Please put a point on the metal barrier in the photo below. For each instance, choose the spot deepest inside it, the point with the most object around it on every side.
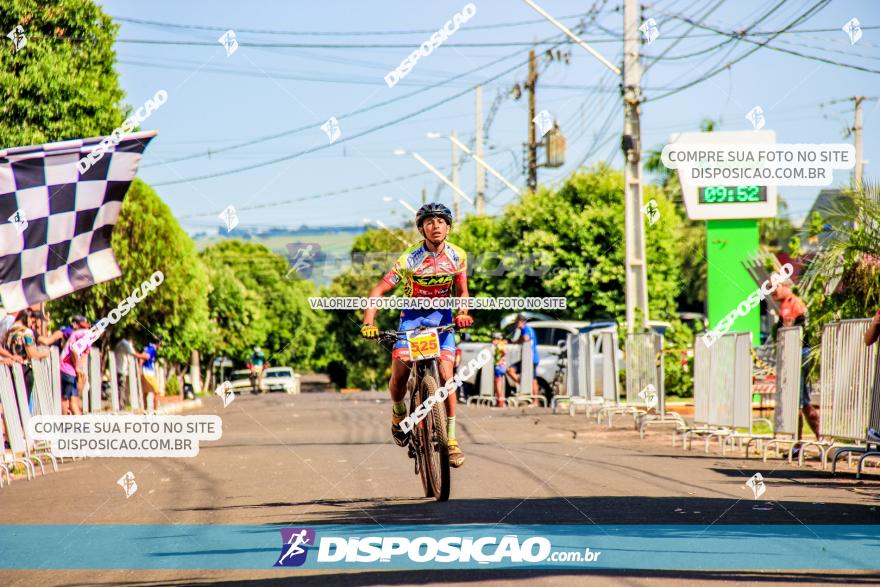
(114, 382)
(527, 375)
(14, 431)
(644, 369)
(588, 374)
(847, 379)
(35, 451)
(873, 418)
(55, 380)
(133, 383)
(575, 373)
(44, 403)
(722, 387)
(95, 380)
(610, 346)
(487, 378)
(786, 412)
(849, 372)
(486, 395)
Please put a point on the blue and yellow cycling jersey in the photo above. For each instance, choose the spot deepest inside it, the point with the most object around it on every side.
(427, 274)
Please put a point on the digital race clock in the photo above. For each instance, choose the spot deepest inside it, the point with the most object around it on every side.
(732, 195)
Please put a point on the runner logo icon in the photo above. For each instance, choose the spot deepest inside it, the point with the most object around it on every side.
(293, 553)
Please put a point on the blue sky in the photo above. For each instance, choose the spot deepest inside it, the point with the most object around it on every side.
(215, 101)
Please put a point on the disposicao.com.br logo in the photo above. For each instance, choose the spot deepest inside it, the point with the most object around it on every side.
(403, 551)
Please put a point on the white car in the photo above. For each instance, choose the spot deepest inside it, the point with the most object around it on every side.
(280, 379)
(240, 380)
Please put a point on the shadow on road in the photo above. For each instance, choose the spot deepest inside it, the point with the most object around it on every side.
(555, 577)
(568, 510)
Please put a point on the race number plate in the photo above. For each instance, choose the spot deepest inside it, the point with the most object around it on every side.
(424, 344)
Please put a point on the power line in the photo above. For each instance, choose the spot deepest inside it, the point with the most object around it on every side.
(342, 140)
(614, 39)
(333, 33)
(815, 8)
(346, 115)
(318, 196)
(676, 41)
(350, 137)
(766, 44)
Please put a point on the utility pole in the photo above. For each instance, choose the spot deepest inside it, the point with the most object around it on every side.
(533, 141)
(481, 173)
(455, 175)
(857, 136)
(636, 278)
(424, 197)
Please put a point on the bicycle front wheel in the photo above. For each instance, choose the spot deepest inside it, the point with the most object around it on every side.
(436, 449)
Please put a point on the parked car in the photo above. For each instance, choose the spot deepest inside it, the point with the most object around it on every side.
(280, 379)
(240, 380)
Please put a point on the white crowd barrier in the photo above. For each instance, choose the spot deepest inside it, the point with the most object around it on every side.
(16, 415)
(848, 390)
(789, 379)
(486, 376)
(722, 388)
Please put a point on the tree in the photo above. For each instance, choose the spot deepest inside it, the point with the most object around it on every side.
(252, 303)
(357, 361)
(575, 237)
(62, 84)
(842, 279)
(776, 232)
(147, 239)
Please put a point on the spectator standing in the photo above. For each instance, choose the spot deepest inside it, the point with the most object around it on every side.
(500, 347)
(73, 366)
(149, 368)
(21, 342)
(527, 335)
(793, 312)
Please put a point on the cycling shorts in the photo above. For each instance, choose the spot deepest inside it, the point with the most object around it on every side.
(412, 319)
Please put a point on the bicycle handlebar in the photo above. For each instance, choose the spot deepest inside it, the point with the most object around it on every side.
(398, 334)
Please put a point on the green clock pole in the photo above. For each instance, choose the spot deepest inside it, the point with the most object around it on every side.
(728, 243)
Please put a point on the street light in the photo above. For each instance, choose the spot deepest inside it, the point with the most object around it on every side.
(477, 158)
(439, 175)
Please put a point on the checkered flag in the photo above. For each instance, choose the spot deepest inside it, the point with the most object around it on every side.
(65, 245)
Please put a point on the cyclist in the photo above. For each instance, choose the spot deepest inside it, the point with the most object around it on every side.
(258, 358)
(430, 269)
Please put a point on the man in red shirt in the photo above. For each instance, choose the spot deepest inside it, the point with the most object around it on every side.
(793, 312)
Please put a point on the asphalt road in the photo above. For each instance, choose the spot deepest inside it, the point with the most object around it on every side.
(327, 458)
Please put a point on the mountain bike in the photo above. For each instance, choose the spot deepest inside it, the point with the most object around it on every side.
(428, 444)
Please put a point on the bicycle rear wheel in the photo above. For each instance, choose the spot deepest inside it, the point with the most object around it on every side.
(436, 449)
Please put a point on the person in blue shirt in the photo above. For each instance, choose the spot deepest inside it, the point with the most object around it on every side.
(527, 335)
(150, 382)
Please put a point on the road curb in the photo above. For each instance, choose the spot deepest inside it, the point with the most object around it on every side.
(178, 407)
